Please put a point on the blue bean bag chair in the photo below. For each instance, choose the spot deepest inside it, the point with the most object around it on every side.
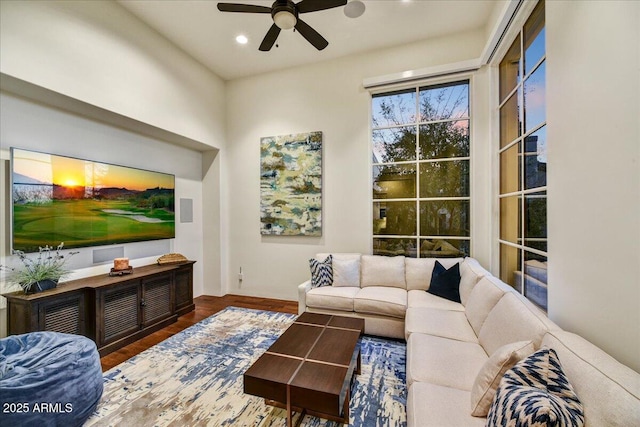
(48, 379)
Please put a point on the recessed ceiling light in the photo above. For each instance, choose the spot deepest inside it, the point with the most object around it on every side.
(242, 39)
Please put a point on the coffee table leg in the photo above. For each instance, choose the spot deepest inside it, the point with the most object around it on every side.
(289, 417)
(345, 409)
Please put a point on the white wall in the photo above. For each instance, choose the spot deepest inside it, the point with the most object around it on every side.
(99, 54)
(593, 93)
(31, 126)
(327, 97)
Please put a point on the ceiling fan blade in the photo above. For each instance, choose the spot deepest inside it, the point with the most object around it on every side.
(246, 8)
(270, 38)
(314, 5)
(311, 35)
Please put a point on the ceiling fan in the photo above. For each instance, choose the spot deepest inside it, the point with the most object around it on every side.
(285, 17)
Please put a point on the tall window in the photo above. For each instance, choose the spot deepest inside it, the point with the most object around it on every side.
(420, 171)
(523, 162)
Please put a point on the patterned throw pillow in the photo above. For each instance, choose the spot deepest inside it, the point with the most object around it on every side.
(321, 272)
(536, 393)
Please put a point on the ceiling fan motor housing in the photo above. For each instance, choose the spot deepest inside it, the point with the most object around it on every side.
(284, 14)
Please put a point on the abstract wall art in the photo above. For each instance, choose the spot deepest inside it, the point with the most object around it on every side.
(291, 185)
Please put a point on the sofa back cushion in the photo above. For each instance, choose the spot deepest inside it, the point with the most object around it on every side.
(511, 320)
(418, 271)
(484, 296)
(470, 273)
(383, 271)
(346, 268)
(609, 391)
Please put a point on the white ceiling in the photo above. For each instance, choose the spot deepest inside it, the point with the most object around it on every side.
(208, 35)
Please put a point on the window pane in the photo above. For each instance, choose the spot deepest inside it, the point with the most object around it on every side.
(534, 43)
(394, 145)
(395, 108)
(535, 221)
(510, 69)
(509, 121)
(509, 264)
(450, 101)
(535, 108)
(444, 179)
(439, 248)
(510, 169)
(394, 181)
(510, 219)
(535, 165)
(394, 247)
(444, 218)
(394, 218)
(535, 278)
(444, 139)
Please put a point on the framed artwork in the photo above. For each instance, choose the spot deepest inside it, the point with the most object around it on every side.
(291, 185)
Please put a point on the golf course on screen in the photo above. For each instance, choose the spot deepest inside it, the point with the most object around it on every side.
(58, 201)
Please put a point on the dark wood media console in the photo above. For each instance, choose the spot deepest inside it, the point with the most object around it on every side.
(112, 311)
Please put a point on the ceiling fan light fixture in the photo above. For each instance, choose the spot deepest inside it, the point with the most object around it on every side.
(354, 9)
(285, 20)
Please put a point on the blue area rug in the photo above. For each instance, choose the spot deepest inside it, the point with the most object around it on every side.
(195, 379)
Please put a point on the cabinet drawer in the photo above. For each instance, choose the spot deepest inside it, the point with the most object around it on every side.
(156, 299)
(120, 312)
(64, 315)
(184, 288)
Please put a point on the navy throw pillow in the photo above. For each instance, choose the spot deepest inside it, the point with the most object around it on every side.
(445, 283)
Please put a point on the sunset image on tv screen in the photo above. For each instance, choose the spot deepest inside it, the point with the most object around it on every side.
(85, 203)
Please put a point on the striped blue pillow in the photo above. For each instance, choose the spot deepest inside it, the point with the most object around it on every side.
(536, 393)
(321, 272)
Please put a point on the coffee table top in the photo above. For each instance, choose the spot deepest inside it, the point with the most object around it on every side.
(315, 354)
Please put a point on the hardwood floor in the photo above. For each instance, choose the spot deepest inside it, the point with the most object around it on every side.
(205, 307)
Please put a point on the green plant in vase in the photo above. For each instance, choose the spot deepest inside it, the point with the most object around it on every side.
(41, 272)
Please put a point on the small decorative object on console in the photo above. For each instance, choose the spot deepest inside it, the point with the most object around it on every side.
(172, 259)
(121, 267)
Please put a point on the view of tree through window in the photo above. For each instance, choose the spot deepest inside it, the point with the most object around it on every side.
(421, 200)
(523, 162)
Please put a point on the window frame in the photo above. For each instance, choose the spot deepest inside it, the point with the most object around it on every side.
(522, 193)
(415, 87)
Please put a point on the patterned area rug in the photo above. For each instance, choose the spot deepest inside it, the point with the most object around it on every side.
(195, 379)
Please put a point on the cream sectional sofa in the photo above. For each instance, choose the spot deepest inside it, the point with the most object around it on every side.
(448, 343)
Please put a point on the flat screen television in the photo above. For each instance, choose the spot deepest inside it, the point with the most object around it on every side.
(85, 203)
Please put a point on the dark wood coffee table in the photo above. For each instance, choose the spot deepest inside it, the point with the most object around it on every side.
(310, 368)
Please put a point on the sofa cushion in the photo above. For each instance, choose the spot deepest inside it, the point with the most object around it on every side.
(470, 273)
(444, 361)
(509, 321)
(441, 323)
(330, 297)
(346, 268)
(436, 405)
(445, 282)
(419, 298)
(418, 271)
(385, 271)
(536, 392)
(486, 383)
(608, 390)
(484, 296)
(346, 272)
(321, 272)
(381, 300)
